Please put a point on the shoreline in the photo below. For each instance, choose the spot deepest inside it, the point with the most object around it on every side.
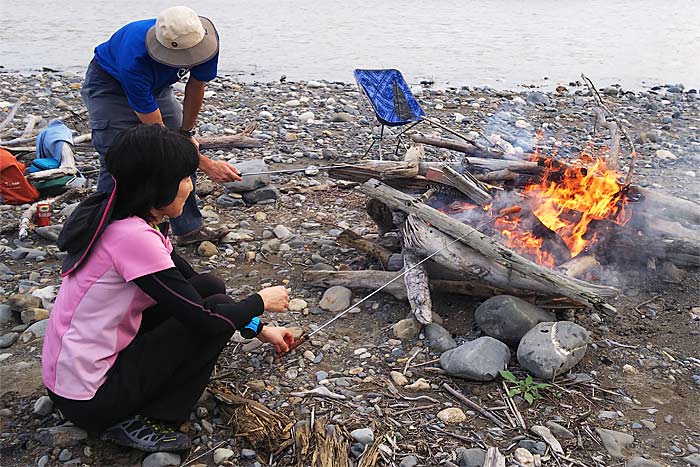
(542, 84)
(639, 376)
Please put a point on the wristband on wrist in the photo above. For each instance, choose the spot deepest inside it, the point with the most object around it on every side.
(251, 329)
(189, 133)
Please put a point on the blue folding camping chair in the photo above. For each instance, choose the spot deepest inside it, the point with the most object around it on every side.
(392, 101)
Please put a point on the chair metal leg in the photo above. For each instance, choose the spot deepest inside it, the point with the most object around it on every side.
(369, 148)
(381, 137)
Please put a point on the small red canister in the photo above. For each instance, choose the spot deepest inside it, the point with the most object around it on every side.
(43, 214)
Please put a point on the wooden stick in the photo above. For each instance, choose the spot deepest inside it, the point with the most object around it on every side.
(612, 127)
(240, 141)
(468, 185)
(488, 247)
(578, 266)
(32, 120)
(474, 406)
(494, 458)
(465, 147)
(370, 279)
(350, 238)
(596, 95)
(13, 111)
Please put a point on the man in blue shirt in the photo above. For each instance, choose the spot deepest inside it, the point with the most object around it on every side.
(129, 82)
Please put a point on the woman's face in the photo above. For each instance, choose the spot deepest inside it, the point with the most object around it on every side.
(174, 209)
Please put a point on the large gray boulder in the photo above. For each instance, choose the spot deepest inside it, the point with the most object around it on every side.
(249, 182)
(550, 349)
(509, 318)
(478, 360)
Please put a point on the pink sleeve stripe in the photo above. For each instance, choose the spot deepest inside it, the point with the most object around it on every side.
(197, 305)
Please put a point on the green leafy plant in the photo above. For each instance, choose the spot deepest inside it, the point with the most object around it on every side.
(527, 388)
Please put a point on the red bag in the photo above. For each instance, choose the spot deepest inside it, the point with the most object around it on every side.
(14, 188)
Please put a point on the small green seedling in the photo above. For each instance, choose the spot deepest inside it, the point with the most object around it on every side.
(527, 388)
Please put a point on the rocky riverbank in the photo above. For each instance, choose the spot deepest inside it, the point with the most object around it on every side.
(376, 374)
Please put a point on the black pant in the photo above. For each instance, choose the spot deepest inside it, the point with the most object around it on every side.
(161, 374)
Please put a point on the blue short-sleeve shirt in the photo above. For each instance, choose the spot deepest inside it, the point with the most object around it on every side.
(124, 56)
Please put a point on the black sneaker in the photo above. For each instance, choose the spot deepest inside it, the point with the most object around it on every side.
(146, 435)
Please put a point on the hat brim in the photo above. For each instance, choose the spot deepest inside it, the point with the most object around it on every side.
(200, 53)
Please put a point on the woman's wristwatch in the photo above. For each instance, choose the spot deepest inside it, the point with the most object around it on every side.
(189, 133)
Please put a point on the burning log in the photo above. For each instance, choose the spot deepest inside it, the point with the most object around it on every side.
(472, 263)
(492, 251)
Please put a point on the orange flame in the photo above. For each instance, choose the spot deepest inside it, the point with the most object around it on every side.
(523, 241)
(568, 200)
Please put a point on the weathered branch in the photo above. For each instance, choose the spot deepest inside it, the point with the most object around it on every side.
(485, 245)
(350, 238)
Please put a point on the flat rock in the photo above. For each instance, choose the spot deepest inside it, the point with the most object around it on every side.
(419, 385)
(19, 302)
(259, 195)
(33, 315)
(22, 378)
(409, 461)
(452, 415)
(615, 442)
(559, 431)
(336, 299)
(250, 182)
(524, 457)
(478, 360)
(398, 378)
(642, 462)
(43, 406)
(509, 318)
(61, 436)
(6, 340)
(161, 459)
(297, 304)
(693, 459)
(471, 457)
(406, 328)
(439, 338)
(6, 315)
(363, 435)
(37, 329)
(551, 349)
(207, 249)
(281, 232)
(221, 455)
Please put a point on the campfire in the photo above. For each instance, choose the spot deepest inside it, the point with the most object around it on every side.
(567, 202)
(531, 228)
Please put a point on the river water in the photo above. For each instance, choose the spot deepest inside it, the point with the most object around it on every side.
(499, 43)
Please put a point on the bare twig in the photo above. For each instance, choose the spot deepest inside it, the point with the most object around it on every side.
(13, 111)
(599, 100)
(474, 406)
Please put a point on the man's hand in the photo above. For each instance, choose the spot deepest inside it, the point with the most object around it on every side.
(219, 171)
(195, 142)
(275, 299)
(280, 338)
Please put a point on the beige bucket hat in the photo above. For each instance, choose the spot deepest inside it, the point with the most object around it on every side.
(180, 38)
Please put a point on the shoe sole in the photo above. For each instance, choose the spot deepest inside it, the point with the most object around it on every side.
(140, 447)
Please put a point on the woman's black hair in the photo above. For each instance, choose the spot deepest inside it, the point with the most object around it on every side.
(148, 163)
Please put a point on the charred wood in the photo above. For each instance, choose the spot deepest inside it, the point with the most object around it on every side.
(492, 251)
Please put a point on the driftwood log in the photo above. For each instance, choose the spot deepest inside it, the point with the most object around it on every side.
(465, 147)
(372, 280)
(471, 262)
(489, 248)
